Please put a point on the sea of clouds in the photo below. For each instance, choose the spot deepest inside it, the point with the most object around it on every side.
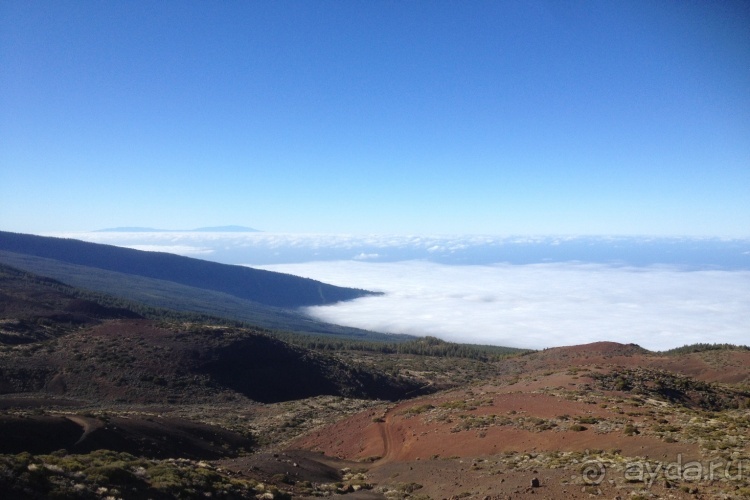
(540, 305)
(262, 248)
(536, 292)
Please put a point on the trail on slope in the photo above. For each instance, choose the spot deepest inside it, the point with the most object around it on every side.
(389, 441)
(88, 425)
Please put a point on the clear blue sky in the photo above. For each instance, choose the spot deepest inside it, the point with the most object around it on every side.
(619, 117)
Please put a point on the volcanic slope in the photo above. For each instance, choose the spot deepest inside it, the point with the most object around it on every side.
(603, 419)
(34, 308)
(94, 397)
(168, 408)
(56, 346)
(262, 298)
(264, 287)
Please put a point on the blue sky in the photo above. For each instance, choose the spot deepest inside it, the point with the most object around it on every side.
(400, 117)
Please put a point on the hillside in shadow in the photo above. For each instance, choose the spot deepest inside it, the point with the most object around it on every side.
(264, 287)
(52, 341)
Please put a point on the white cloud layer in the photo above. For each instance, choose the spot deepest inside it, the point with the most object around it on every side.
(540, 305)
(549, 291)
(185, 250)
(280, 248)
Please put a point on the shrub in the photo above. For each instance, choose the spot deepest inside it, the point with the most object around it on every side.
(587, 420)
(630, 430)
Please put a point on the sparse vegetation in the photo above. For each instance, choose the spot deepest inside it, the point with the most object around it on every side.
(672, 387)
(112, 474)
(704, 347)
(180, 399)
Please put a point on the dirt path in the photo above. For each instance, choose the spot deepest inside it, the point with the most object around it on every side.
(389, 441)
(89, 425)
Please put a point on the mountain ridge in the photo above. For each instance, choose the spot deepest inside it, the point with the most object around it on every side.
(264, 287)
(149, 360)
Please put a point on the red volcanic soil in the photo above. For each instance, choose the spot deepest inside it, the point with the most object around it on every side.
(404, 436)
(728, 367)
(725, 366)
(405, 447)
(601, 348)
(547, 422)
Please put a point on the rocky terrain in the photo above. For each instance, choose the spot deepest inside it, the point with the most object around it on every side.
(99, 401)
(599, 427)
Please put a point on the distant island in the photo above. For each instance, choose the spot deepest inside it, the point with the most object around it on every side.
(217, 229)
